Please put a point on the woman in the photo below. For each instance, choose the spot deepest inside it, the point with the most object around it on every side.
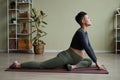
(73, 57)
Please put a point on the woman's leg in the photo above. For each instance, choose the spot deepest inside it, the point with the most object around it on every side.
(55, 62)
(84, 63)
(63, 58)
(59, 61)
(51, 63)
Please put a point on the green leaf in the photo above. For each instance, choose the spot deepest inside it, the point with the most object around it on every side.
(39, 30)
(35, 38)
(32, 32)
(34, 11)
(44, 22)
(42, 26)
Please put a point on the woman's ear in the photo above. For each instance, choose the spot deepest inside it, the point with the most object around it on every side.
(83, 21)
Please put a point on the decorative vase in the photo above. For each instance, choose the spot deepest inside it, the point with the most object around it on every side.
(24, 28)
(39, 49)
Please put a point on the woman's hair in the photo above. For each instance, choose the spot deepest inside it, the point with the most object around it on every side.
(79, 17)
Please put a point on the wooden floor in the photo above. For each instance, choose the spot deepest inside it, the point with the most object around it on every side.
(110, 60)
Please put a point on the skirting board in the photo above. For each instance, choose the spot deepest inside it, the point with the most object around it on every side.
(57, 51)
(3, 51)
(96, 51)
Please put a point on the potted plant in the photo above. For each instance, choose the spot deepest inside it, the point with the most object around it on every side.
(38, 23)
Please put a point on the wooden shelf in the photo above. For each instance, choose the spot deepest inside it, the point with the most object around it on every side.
(18, 20)
(117, 31)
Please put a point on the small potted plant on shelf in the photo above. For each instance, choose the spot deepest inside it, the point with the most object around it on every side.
(38, 23)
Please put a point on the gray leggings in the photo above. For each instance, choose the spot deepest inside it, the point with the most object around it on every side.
(63, 58)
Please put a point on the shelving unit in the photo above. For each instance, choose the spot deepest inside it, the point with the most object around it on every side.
(19, 26)
(117, 31)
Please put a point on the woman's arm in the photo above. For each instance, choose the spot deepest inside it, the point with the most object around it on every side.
(88, 48)
(86, 45)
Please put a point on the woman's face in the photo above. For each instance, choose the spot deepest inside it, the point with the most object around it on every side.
(87, 21)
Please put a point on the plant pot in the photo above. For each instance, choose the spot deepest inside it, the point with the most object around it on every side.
(39, 49)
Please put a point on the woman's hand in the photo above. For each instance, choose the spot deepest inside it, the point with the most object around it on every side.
(100, 67)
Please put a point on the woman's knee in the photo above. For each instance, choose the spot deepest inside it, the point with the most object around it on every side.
(89, 61)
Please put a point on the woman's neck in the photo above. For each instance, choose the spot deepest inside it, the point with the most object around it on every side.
(84, 28)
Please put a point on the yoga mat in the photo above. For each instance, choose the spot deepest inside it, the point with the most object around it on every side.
(89, 70)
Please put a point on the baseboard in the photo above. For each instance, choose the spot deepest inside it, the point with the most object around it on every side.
(57, 51)
(96, 51)
(3, 51)
(54, 51)
(103, 51)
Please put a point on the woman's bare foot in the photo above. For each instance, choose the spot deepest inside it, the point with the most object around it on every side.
(15, 65)
(74, 66)
(70, 67)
